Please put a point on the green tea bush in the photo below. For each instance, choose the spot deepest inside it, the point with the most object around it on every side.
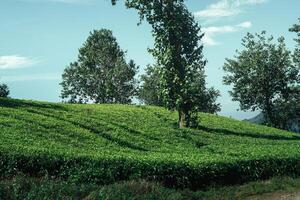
(108, 143)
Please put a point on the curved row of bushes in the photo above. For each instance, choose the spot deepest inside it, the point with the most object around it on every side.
(173, 174)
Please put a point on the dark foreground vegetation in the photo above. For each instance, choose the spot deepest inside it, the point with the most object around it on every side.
(23, 187)
(103, 144)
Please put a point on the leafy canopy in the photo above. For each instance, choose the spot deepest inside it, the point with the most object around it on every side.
(101, 73)
(151, 90)
(288, 109)
(261, 74)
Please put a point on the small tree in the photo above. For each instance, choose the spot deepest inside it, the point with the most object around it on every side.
(101, 74)
(4, 91)
(261, 74)
(151, 90)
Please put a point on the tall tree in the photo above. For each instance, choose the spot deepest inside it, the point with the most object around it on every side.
(101, 74)
(261, 74)
(150, 92)
(178, 50)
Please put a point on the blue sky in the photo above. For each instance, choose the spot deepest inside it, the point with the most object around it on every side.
(39, 38)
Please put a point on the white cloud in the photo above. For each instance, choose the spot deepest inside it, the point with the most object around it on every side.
(35, 77)
(246, 24)
(219, 29)
(15, 61)
(209, 41)
(73, 1)
(211, 31)
(252, 2)
(81, 2)
(226, 8)
(222, 8)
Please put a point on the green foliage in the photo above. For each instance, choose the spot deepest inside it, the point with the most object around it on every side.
(178, 50)
(4, 90)
(107, 143)
(261, 74)
(24, 187)
(296, 55)
(100, 74)
(151, 91)
(287, 111)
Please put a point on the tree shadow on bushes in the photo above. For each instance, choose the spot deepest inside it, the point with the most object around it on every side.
(247, 134)
(134, 132)
(15, 103)
(95, 130)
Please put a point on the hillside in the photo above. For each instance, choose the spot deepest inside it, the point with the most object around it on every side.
(293, 124)
(107, 143)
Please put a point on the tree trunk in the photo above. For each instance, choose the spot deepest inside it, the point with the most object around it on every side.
(182, 119)
(269, 114)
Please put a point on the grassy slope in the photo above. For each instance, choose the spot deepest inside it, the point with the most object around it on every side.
(106, 143)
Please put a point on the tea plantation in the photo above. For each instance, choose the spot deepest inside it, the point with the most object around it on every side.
(103, 144)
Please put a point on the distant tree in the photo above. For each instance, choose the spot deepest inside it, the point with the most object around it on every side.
(208, 101)
(261, 74)
(151, 90)
(4, 91)
(100, 74)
